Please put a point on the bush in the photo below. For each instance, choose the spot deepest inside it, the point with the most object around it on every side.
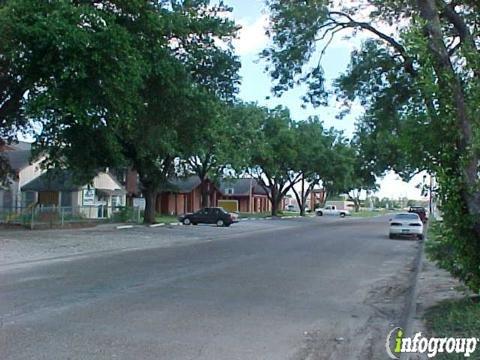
(124, 214)
(455, 250)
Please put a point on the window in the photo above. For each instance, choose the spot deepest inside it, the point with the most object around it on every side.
(229, 191)
(116, 201)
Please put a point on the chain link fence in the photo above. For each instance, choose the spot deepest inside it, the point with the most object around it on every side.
(39, 216)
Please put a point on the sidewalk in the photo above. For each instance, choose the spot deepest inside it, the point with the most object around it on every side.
(434, 285)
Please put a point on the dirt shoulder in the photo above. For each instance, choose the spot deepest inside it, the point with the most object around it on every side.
(434, 286)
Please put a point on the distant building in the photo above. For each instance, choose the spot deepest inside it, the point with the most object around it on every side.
(184, 195)
(251, 197)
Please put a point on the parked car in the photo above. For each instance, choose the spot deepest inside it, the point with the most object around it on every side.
(332, 210)
(214, 215)
(420, 210)
(406, 224)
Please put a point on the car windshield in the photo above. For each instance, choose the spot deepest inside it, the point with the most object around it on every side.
(406, 217)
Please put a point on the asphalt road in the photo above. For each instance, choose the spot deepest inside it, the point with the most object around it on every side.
(311, 289)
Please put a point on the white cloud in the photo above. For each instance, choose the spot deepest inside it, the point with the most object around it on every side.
(393, 187)
(251, 37)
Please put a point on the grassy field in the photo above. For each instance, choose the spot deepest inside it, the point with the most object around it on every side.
(166, 219)
(453, 318)
(459, 318)
(268, 214)
(368, 213)
(243, 215)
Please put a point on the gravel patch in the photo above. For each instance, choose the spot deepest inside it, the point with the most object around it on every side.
(19, 246)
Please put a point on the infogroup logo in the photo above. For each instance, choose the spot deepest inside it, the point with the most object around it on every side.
(397, 344)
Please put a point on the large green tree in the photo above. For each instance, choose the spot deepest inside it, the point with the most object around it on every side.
(273, 155)
(318, 158)
(64, 66)
(419, 82)
(195, 70)
(219, 143)
(105, 83)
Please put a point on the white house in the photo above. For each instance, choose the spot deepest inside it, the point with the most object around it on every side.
(96, 200)
(24, 170)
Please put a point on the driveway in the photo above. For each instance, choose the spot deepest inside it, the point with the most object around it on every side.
(284, 289)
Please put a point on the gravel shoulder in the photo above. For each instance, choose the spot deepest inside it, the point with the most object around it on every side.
(27, 246)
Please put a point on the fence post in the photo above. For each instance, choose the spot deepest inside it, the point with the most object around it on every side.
(138, 214)
(33, 217)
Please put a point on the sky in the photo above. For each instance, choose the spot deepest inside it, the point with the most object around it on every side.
(256, 84)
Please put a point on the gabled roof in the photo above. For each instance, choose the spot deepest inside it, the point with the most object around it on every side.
(17, 159)
(19, 145)
(241, 187)
(183, 184)
(63, 180)
(59, 180)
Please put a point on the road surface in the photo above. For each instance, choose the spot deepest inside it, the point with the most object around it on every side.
(308, 289)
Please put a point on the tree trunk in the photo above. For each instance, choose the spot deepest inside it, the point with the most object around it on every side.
(274, 200)
(205, 196)
(448, 79)
(356, 203)
(150, 196)
(302, 199)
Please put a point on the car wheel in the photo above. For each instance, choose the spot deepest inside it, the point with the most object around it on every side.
(186, 221)
(342, 214)
(420, 237)
(320, 213)
(220, 222)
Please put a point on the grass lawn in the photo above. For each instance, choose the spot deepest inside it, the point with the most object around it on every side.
(243, 215)
(288, 213)
(368, 213)
(166, 219)
(455, 318)
(269, 214)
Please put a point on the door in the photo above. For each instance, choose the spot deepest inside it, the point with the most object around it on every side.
(201, 216)
(215, 215)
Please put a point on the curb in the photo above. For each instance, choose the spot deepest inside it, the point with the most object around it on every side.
(411, 304)
(122, 227)
(156, 225)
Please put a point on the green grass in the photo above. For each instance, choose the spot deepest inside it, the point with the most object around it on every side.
(368, 213)
(166, 219)
(269, 214)
(288, 213)
(455, 318)
(243, 215)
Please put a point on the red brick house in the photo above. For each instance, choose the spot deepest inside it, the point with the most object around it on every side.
(317, 198)
(185, 196)
(250, 195)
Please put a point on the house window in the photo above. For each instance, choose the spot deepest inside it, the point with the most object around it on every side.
(229, 191)
(116, 201)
